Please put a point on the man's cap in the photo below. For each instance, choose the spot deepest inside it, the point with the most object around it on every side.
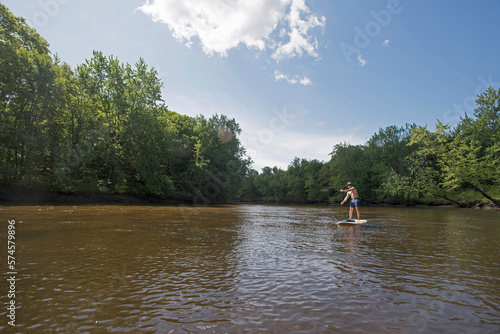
(348, 183)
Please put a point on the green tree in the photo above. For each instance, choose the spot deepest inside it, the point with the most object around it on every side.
(316, 184)
(349, 163)
(119, 117)
(103, 127)
(484, 129)
(468, 156)
(65, 132)
(26, 96)
(296, 181)
(388, 168)
(271, 184)
(248, 190)
(218, 162)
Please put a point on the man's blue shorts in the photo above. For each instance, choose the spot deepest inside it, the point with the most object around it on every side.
(355, 203)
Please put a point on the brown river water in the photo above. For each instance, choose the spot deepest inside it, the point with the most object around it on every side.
(250, 269)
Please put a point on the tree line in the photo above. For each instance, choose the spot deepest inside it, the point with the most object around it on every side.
(103, 128)
(400, 165)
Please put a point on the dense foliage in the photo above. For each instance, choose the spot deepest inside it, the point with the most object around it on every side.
(102, 128)
(400, 165)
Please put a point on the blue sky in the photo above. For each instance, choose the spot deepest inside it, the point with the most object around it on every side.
(299, 76)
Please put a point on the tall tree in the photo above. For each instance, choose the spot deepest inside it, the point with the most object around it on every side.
(468, 156)
(386, 153)
(121, 104)
(26, 83)
(349, 163)
(220, 161)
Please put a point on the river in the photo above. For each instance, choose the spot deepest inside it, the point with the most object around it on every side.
(250, 269)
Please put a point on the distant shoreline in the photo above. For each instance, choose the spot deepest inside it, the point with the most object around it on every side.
(32, 198)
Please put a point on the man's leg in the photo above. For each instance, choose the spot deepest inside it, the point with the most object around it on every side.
(357, 211)
(350, 212)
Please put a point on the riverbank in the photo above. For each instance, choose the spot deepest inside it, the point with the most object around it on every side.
(33, 198)
(482, 205)
(21, 198)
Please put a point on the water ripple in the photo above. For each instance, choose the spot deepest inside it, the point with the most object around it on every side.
(255, 269)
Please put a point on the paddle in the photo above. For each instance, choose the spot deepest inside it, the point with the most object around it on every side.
(343, 211)
(342, 205)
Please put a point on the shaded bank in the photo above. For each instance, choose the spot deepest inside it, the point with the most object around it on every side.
(46, 198)
(25, 198)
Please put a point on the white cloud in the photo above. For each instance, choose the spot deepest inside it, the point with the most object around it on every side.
(300, 42)
(386, 42)
(278, 76)
(221, 25)
(361, 61)
(305, 81)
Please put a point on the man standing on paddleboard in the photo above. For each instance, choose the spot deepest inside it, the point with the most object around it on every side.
(353, 193)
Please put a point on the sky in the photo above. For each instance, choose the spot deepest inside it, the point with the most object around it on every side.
(299, 76)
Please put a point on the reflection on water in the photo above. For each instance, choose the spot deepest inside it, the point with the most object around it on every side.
(253, 269)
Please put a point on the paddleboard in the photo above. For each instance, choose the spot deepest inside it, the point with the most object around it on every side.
(351, 221)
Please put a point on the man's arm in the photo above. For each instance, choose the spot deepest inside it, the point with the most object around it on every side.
(348, 194)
